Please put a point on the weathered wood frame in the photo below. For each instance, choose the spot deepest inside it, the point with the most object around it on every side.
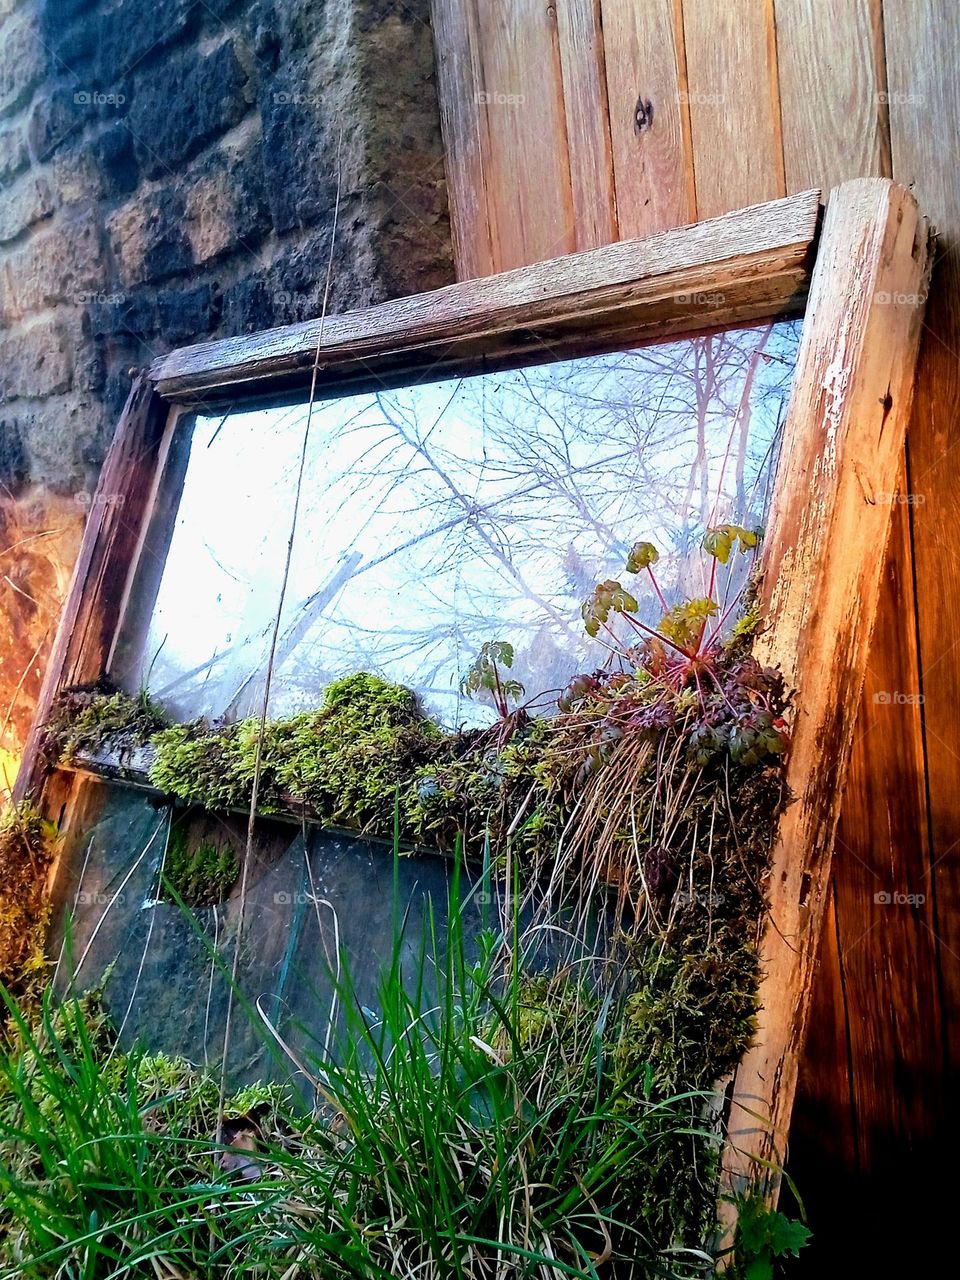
(866, 274)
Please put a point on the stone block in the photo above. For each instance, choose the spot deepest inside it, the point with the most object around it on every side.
(21, 60)
(116, 163)
(298, 153)
(188, 315)
(225, 202)
(57, 266)
(35, 361)
(14, 464)
(101, 48)
(147, 235)
(27, 202)
(247, 306)
(14, 156)
(184, 103)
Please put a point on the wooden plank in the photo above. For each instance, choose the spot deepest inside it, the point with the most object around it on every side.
(879, 964)
(875, 1023)
(582, 62)
(832, 92)
(649, 116)
(885, 906)
(527, 167)
(92, 608)
(464, 126)
(822, 561)
(734, 102)
(749, 264)
(824, 1119)
(924, 91)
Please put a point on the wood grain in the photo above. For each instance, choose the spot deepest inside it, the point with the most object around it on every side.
(734, 103)
(749, 264)
(924, 88)
(829, 524)
(91, 612)
(527, 166)
(885, 905)
(824, 1117)
(582, 61)
(832, 91)
(649, 117)
(870, 1110)
(466, 143)
(877, 977)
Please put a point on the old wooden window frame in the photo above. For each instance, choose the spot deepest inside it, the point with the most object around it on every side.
(857, 271)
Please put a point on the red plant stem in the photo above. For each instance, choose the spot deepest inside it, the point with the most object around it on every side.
(696, 681)
(657, 635)
(713, 583)
(719, 627)
(614, 637)
(498, 696)
(656, 587)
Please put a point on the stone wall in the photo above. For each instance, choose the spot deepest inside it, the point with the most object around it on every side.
(168, 172)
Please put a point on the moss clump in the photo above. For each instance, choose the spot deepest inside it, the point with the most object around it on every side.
(87, 721)
(26, 849)
(344, 762)
(200, 873)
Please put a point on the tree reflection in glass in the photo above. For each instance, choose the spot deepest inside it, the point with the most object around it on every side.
(439, 516)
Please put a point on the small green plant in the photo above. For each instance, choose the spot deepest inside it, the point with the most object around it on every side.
(683, 629)
(764, 1236)
(685, 662)
(486, 676)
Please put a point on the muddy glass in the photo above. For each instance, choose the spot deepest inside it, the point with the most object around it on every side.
(437, 517)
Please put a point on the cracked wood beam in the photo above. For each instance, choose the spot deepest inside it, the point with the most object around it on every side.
(829, 525)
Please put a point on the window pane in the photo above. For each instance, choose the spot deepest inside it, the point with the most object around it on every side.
(436, 517)
(317, 903)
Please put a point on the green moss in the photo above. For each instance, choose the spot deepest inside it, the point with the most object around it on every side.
(86, 721)
(26, 848)
(200, 873)
(344, 762)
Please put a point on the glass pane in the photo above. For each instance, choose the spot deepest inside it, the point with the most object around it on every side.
(436, 517)
(318, 904)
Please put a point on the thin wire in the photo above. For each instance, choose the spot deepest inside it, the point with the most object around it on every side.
(251, 821)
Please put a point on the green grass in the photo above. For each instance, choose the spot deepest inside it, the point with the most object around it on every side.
(478, 1125)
